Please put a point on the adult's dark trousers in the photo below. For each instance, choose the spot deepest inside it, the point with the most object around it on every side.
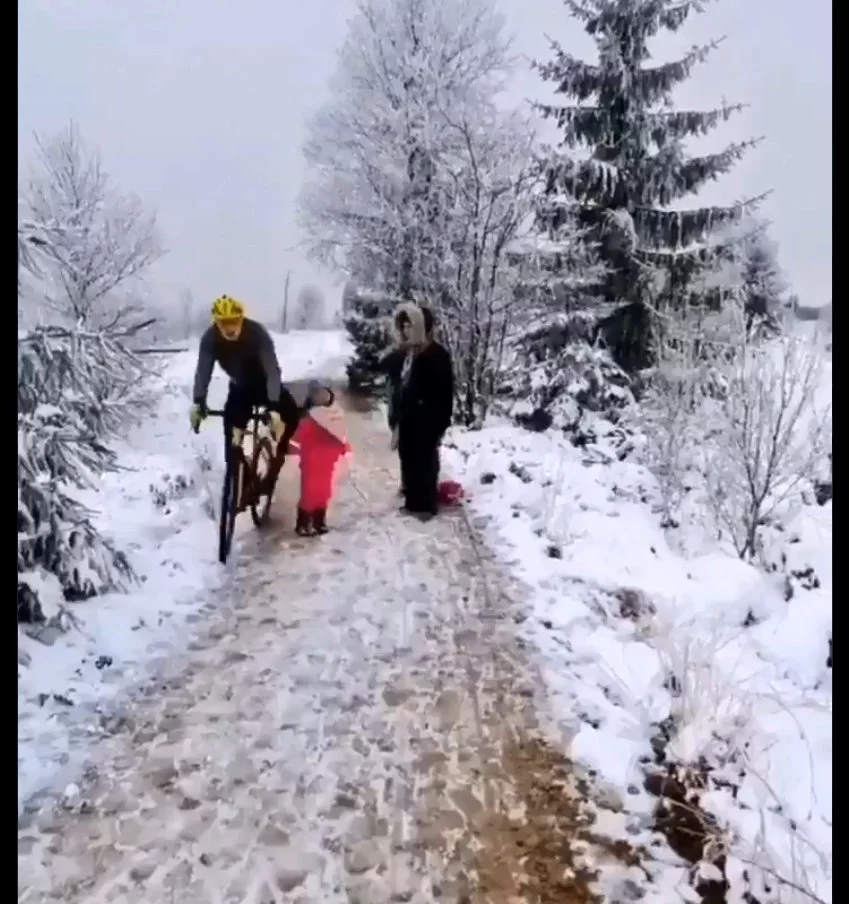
(419, 472)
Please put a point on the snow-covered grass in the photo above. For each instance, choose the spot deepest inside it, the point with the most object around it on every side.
(634, 625)
(159, 509)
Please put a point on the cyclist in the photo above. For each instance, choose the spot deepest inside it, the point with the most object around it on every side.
(245, 351)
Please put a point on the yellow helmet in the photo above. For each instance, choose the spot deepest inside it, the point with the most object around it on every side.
(227, 308)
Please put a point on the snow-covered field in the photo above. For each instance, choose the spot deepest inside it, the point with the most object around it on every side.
(632, 630)
(159, 509)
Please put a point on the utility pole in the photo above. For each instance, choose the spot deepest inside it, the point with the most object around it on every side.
(286, 301)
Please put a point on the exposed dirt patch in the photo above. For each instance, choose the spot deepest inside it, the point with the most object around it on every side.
(518, 834)
(689, 830)
(555, 818)
(505, 813)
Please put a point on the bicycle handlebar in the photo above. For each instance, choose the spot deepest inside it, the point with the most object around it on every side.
(258, 411)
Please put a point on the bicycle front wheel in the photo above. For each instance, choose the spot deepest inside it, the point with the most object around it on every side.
(262, 465)
(229, 507)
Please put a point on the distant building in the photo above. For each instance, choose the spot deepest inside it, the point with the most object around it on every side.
(810, 312)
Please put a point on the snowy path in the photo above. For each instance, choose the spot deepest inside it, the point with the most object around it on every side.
(354, 723)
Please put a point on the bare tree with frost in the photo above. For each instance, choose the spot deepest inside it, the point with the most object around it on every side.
(377, 203)
(771, 433)
(102, 241)
(620, 115)
(691, 347)
(489, 189)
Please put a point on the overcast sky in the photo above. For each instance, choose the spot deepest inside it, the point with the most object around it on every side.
(198, 107)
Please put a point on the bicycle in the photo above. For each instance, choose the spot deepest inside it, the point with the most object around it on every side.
(250, 476)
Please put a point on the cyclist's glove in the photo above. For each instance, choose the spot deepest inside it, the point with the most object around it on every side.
(196, 415)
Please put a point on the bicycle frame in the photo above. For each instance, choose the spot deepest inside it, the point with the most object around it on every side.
(243, 489)
(248, 489)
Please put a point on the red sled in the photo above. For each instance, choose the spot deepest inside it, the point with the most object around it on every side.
(450, 493)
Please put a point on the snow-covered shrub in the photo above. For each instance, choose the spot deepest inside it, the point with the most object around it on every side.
(672, 395)
(567, 379)
(771, 436)
(692, 348)
(55, 533)
(739, 416)
(171, 488)
(763, 283)
(92, 373)
(75, 389)
(720, 744)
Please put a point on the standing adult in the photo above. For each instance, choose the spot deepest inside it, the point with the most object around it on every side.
(424, 406)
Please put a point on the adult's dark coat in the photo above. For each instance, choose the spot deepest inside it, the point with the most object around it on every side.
(424, 408)
(392, 363)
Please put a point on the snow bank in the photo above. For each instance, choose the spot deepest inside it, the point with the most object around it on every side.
(159, 508)
(630, 631)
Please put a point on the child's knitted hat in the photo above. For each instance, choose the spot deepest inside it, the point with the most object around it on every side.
(315, 386)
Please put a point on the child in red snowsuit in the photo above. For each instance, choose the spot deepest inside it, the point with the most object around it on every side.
(320, 441)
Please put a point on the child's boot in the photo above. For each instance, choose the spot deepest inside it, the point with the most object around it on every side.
(303, 525)
(320, 521)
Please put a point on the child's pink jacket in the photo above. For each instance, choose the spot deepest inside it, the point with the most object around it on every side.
(320, 440)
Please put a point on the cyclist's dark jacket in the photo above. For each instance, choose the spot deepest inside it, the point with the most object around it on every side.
(249, 361)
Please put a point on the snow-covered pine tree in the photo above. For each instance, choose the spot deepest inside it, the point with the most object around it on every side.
(75, 388)
(621, 112)
(366, 322)
(558, 370)
(764, 286)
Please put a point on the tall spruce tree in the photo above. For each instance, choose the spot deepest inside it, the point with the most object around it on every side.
(637, 167)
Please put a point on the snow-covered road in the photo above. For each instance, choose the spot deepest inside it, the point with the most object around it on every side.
(353, 723)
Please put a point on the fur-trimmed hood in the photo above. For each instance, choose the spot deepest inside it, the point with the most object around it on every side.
(331, 419)
(418, 333)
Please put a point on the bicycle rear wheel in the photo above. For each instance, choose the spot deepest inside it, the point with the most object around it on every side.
(262, 465)
(229, 507)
